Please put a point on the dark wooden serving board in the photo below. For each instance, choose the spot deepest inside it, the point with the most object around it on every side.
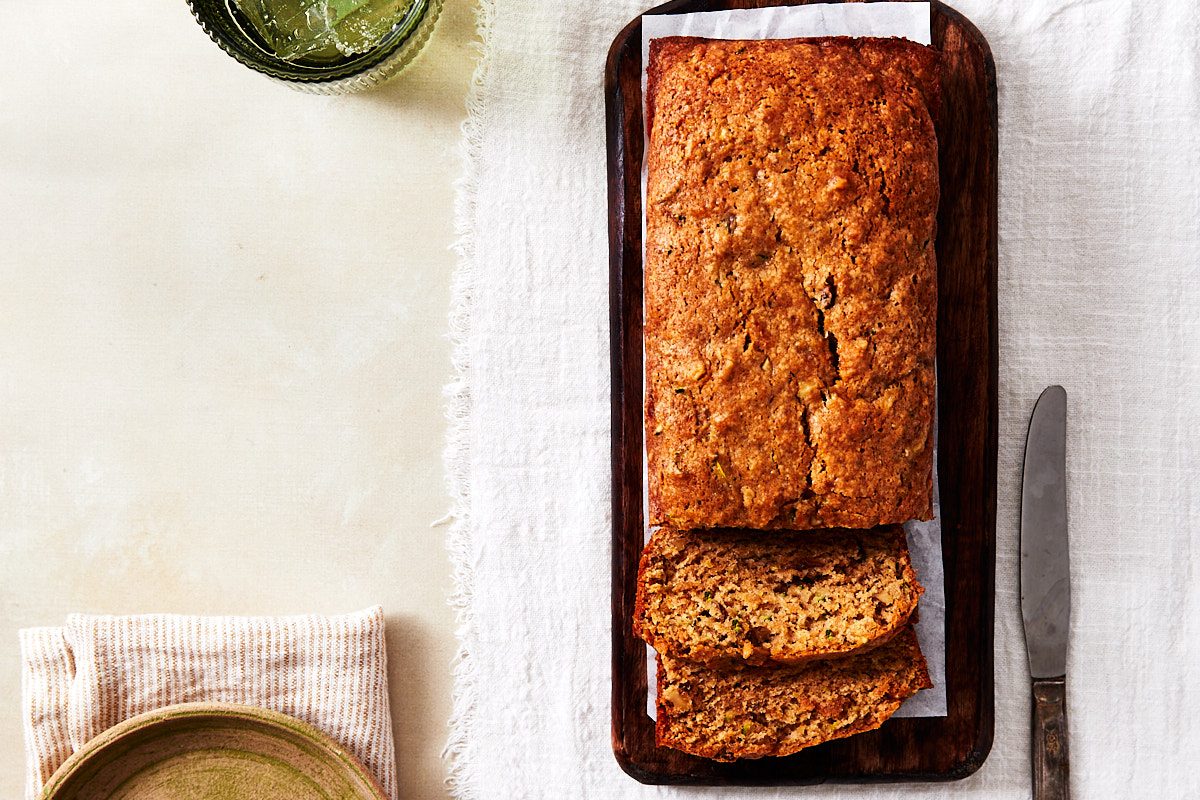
(916, 749)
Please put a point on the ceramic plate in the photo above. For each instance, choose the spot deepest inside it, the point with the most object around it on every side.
(197, 751)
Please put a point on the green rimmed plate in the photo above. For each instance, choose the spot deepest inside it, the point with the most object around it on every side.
(206, 751)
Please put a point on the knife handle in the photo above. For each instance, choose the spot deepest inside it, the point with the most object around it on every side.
(1051, 767)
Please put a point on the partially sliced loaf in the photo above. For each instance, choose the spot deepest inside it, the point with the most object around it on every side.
(752, 712)
(732, 596)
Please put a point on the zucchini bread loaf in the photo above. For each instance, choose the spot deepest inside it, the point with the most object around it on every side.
(790, 283)
(730, 596)
(751, 712)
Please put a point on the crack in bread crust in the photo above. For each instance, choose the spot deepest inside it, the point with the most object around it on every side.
(790, 282)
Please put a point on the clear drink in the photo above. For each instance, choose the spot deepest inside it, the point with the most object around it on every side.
(322, 30)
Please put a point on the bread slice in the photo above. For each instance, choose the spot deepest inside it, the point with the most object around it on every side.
(724, 597)
(752, 712)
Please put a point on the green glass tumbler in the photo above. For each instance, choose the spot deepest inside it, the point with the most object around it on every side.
(233, 33)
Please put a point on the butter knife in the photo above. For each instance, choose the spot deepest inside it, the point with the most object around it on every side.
(1046, 589)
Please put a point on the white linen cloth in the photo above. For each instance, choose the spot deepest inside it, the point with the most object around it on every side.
(1099, 291)
(97, 671)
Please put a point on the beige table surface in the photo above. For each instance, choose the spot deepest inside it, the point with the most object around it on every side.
(223, 311)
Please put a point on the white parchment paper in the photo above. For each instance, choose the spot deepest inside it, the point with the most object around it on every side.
(909, 21)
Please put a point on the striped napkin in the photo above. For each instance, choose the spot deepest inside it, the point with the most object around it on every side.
(96, 671)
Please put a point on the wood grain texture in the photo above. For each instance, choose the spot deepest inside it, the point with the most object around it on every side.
(919, 749)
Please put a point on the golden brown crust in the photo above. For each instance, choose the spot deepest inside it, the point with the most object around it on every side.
(724, 597)
(753, 712)
(790, 284)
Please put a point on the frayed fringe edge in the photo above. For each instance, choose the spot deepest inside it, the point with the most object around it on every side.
(457, 455)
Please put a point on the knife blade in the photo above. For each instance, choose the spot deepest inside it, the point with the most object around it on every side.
(1046, 589)
(1045, 561)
